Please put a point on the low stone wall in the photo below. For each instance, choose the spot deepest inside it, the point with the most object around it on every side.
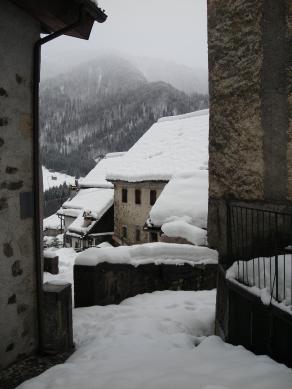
(108, 283)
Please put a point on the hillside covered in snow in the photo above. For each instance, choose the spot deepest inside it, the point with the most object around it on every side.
(103, 106)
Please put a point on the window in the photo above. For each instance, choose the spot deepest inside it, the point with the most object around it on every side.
(153, 237)
(137, 196)
(124, 195)
(152, 197)
(138, 235)
(124, 232)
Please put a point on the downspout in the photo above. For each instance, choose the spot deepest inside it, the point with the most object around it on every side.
(37, 166)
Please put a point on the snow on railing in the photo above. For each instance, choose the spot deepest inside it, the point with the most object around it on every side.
(259, 244)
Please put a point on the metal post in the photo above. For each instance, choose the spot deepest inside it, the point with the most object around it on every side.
(276, 259)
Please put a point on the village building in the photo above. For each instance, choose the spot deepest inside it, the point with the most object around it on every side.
(52, 226)
(87, 218)
(172, 146)
(22, 319)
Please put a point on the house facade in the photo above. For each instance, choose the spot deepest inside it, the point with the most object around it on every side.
(132, 204)
(171, 146)
(21, 23)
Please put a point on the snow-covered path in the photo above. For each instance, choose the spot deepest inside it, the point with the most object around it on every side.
(157, 341)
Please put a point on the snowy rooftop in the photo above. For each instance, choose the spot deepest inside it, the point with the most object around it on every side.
(192, 191)
(94, 202)
(96, 178)
(172, 145)
(186, 218)
(167, 253)
(52, 222)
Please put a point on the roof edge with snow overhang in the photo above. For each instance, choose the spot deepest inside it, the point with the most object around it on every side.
(172, 145)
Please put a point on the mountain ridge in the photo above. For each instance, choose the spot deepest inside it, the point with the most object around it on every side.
(103, 106)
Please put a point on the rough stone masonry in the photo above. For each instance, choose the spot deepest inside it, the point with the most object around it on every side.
(250, 74)
(18, 33)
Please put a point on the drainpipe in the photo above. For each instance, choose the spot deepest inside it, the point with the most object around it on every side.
(37, 166)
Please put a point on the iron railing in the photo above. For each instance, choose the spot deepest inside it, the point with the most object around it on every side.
(260, 245)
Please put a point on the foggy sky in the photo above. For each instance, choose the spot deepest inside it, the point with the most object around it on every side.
(168, 29)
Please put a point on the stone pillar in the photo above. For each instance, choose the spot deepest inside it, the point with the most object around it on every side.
(51, 264)
(57, 318)
(250, 148)
(250, 76)
(18, 311)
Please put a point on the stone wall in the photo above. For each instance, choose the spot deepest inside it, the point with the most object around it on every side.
(250, 150)
(18, 33)
(134, 215)
(108, 283)
(289, 73)
(235, 63)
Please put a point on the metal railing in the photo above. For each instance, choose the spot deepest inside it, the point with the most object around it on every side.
(260, 244)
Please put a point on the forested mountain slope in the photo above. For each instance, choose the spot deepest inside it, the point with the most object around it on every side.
(102, 106)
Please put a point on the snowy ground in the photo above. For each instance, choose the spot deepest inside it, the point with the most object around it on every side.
(161, 340)
(66, 262)
(52, 179)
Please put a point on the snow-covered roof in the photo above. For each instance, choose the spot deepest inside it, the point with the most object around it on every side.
(93, 203)
(182, 208)
(52, 222)
(172, 145)
(96, 178)
(184, 197)
(167, 253)
(94, 200)
(69, 212)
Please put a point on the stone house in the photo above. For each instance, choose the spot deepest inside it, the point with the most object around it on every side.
(250, 171)
(172, 145)
(133, 202)
(21, 290)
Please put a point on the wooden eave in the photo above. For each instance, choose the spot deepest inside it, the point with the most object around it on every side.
(54, 15)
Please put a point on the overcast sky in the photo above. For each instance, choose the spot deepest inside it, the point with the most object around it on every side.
(168, 29)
